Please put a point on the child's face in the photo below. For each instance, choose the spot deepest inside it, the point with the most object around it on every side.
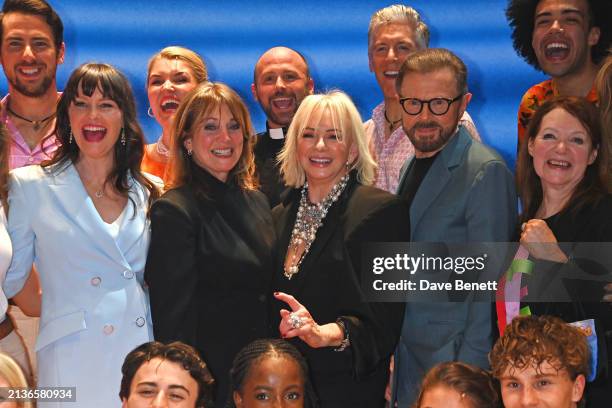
(272, 382)
(542, 387)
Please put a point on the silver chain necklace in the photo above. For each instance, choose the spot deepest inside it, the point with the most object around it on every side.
(309, 218)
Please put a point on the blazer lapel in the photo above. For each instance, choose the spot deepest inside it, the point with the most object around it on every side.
(437, 177)
(78, 208)
(134, 225)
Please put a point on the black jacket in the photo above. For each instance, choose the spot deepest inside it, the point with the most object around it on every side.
(328, 285)
(209, 270)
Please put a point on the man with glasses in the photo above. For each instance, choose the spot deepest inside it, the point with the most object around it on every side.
(459, 191)
(394, 33)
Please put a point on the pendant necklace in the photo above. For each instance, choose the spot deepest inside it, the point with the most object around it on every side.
(308, 220)
(36, 124)
(391, 123)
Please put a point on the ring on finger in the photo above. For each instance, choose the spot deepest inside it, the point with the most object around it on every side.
(296, 321)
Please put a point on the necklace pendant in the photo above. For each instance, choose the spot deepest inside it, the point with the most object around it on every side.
(36, 125)
(290, 272)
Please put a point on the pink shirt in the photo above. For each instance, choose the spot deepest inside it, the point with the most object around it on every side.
(392, 153)
(20, 153)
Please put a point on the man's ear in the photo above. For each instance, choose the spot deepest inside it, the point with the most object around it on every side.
(254, 91)
(61, 53)
(593, 36)
(310, 86)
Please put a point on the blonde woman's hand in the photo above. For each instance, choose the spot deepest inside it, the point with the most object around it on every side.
(298, 322)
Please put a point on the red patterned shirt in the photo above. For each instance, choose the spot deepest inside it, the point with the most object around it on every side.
(536, 96)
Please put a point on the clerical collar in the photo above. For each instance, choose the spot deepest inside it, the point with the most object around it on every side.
(278, 133)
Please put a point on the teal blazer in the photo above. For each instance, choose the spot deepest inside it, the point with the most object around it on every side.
(467, 195)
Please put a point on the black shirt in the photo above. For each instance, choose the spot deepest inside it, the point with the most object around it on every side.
(416, 173)
(268, 171)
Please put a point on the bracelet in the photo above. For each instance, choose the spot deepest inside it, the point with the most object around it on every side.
(346, 342)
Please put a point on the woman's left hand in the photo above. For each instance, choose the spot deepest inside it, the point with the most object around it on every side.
(541, 242)
(299, 323)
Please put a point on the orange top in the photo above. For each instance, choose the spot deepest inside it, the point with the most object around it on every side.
(536, 96)
(151, 166)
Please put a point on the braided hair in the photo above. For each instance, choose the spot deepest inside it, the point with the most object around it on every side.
(257, 351)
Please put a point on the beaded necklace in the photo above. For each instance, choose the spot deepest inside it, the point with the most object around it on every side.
(309, 218)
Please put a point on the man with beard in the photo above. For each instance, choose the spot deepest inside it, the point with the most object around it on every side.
(566, 39)
(32, 47)
(459, 191)
(395, 32)
(280, 82)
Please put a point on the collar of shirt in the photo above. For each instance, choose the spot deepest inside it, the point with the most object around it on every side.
(20, 153)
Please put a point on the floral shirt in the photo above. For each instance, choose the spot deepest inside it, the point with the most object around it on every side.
(536, 96)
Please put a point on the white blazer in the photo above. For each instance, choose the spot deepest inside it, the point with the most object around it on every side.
(94, 307)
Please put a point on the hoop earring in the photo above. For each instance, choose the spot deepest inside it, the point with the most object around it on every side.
(123, 137)
(150, 113)
(189, 152)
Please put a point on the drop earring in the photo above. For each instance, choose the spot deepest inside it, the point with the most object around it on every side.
(122, 137)
(70, 137)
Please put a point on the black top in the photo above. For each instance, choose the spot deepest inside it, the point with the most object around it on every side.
(415, 176)
(591, 224)
(266, 151)
(328, 285)
(209, 270)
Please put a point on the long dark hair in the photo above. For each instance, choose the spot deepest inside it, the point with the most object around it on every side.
(593, 185)
(4, 166)
(256, 351)
(113, 85)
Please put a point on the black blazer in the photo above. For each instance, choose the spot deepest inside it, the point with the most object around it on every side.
(328, 285)
(209, 270)
(592, 223)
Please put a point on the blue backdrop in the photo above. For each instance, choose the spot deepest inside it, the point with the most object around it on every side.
(332, 35)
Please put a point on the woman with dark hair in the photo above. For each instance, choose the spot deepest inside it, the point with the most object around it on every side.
(270, 371)
(209, 264)
(82, 219)
(562, 174)
(458, 385)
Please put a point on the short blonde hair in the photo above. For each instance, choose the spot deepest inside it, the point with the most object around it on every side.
(345, 117)
(195, 106)
(192, 58)
(400, 14)
(12, 373)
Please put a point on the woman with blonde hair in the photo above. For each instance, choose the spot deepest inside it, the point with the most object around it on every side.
(12, 377)
(210, 260)
(10, 342)
(172, 73)
(321, 226)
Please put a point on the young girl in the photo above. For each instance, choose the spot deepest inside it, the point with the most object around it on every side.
(270, 370)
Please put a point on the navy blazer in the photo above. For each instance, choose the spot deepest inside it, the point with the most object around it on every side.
(467, 195)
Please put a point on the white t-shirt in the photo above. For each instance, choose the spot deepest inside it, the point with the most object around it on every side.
(6, 252)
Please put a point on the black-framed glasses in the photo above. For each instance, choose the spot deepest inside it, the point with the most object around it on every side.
(437, 106)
